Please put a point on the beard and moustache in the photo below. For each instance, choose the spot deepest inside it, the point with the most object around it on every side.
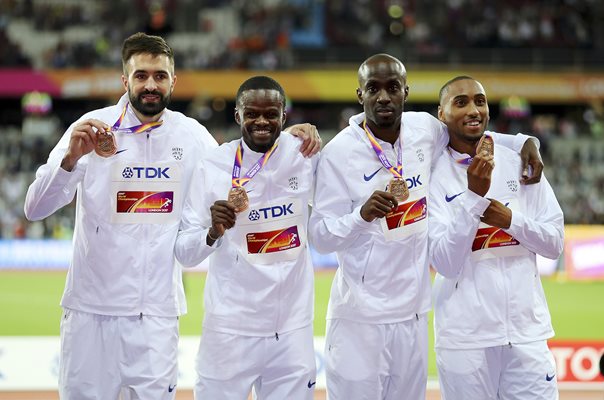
(149, 109)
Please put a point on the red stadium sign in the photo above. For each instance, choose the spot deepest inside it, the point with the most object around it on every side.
(577, 361)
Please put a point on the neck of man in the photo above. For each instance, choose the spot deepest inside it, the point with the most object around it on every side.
(388, 134)
(145, 119)
(462, 145)
(258, 148)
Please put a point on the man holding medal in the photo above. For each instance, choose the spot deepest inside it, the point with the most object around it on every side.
(377, 341)
(124, 293)
(485, 228)
(248, 211)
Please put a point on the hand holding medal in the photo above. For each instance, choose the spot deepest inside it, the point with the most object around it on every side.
(481, 166)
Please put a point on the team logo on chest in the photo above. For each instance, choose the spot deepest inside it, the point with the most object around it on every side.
(293, 183)
(177, 153)
(513, 185)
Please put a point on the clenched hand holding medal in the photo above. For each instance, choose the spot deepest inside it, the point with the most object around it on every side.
(238, 194)
(106, 144)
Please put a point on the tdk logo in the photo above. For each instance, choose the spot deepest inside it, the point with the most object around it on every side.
(271, 212)
(146, 172)
(413, 181)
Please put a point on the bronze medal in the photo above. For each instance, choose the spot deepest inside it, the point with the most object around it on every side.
(106, 146)
(398, 188)
(238, 197)
(485, 144)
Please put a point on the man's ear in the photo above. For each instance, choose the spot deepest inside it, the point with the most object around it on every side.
(125, 82)
(440, 114)
(406, 92)
(237, 117)
(360, 96)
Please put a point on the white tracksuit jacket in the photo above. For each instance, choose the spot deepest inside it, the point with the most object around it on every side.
(383, 274)
(127, 215)
(487, 290)
(260, 279)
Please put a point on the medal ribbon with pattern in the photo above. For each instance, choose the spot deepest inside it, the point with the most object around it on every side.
(239, 182)
(397, 171)
(134, 129)
(397, 185)
(465, 160)
(237, 194)
(106, 145)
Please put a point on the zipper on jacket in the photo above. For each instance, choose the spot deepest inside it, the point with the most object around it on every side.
(143, 276)
(277, 336)
(456, 285)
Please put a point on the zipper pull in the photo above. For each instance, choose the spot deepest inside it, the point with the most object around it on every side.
(140, 316)
(276, 336)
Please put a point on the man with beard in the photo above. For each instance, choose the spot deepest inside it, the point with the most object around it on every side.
(124, 292)
(491, 316)
(370, 206)
(249, 210)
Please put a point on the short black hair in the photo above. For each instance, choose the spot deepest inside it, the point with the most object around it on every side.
(260, 82)
(443, 89)
(141, 43)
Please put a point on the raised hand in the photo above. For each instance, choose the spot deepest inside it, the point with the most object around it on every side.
(82, 141)
(479, 173)
(311, 141)
(223, 218)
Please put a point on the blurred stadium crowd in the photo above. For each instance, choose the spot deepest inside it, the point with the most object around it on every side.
(287, 34)
(282, 34)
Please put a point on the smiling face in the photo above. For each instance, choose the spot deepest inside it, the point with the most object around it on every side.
(382, 92)
(261, 114)
(150, 80)
(465, 110)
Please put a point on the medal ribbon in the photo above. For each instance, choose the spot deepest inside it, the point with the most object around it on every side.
(464, 160)
(239, 182)
(396, 171)
(134, 129)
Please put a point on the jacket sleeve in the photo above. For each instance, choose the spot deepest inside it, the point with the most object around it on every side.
(53, 187)
(334, 223)
(513, 142)
(543, 234)
(191, 248)
(451, 230)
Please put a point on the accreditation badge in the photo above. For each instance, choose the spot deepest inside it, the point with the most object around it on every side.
(493, 242)
(410, 216)
(271, 232)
